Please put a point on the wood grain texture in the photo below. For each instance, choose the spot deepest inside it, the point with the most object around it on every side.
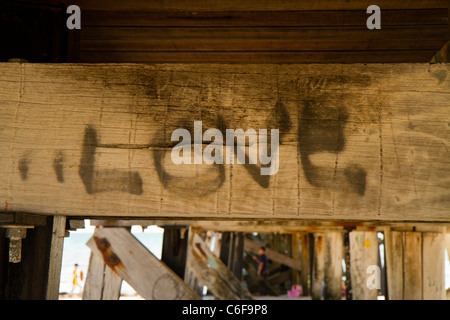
(318, 272)
(55, 259)
(126, 256)
(93, 286)
(394, 263)
(363, 253)
(412, 281)
(433, 266)
(357, 142)
(334, 253)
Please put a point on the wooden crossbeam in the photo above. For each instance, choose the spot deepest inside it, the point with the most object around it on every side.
(357, 142)
(126, 256)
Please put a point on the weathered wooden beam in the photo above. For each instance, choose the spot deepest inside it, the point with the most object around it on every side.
(412, 268)
(102, 283)
(273, 255)
(363, 253)
(55, 259)
(394, 263)
(93, 286)
(212, 272)
(305, 263)
(318, 272)
(334, 253)
(433, 266)
(357, 142)
(126, 256)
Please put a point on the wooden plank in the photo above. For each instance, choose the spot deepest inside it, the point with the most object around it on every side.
(412, 282)
(266, 57)
(363, 253)
(113, 136)
(252, 33)
(394, 263)
(255, 5)
(111, 285)
(151, 278)
(433, 266)
(55, 259)
(93, 286)
(273, 255)
(212, 272)
(305, 263)
(318, 272)
(273, 225)
(172, 18)
(333, 255)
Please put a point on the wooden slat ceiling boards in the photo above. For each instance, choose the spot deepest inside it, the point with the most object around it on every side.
(289, 31)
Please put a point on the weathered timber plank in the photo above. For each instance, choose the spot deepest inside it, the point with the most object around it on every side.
(158, 18)
(126, 256)
(357, 142)
(363, 253)
(273, 255)
(111, 285)
(55, 259)
(254, 5)
(93, 286)
(334, 253)
(255, 57)
(412, 281)
(394, 263)
(433, 266)
(318, 272)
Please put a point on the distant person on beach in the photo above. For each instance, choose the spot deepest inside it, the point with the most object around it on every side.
(263, 268)
(77, 276)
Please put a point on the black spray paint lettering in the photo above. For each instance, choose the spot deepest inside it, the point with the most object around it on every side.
(58, 166)
(105, 179)
(321, 129)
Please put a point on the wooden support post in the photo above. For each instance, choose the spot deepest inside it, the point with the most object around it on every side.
(55, 261)
(412, 268)
(304, 263)
(126, 256)
(96, 182)
(333, 265)
(394, 263)
(212, 272)
(102, 283)
(363, 253)
(174, 249)
(318, 273)
(295, 248)
(36, 276)
(348, 278)
(433, 266)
